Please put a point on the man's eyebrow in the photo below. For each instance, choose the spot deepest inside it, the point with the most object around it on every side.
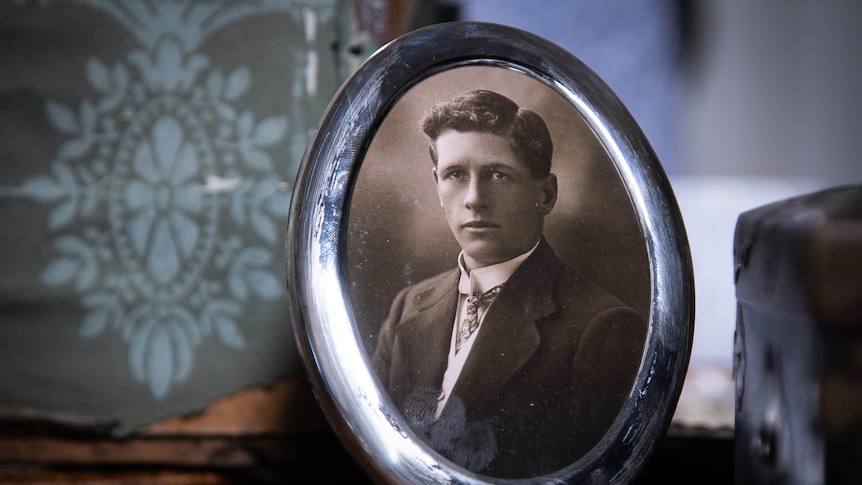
(501, 166)
(450, 167)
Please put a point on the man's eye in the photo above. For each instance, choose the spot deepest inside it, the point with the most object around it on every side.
(456, 174)
(498, 175)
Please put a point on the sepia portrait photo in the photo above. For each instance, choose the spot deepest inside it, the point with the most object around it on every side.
(498, 272)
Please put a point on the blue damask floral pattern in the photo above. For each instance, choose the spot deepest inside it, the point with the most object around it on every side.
(152, 174)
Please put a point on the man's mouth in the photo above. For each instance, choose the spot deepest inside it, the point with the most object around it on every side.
(480, 225)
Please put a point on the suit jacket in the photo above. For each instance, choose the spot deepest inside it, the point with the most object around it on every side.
(551, 367)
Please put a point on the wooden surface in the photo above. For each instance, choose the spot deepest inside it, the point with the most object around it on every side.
(261, 435)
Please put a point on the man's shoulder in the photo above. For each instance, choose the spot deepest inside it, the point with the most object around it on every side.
(430, 289)
(571, 290)
(591, 294)
(432, 282)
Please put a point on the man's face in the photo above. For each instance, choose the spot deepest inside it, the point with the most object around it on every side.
(494, 207)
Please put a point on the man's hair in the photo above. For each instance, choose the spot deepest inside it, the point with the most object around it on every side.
(489, 112)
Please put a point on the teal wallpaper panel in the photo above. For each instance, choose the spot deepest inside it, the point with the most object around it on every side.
(147, 156)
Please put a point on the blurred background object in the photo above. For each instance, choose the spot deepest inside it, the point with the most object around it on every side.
(147, 156)
(798, 346)
(148, 153)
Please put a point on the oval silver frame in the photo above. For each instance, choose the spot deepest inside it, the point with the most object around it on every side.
(327, 338)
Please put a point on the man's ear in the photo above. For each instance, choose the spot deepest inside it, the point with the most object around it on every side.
(437, 184)
(549, 194)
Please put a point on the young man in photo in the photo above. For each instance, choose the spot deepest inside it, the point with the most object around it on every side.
(510, 364)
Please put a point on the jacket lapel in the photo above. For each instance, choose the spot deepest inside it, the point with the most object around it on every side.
(425, 337)
(508, 336)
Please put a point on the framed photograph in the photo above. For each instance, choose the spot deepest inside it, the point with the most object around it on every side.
(489, 274)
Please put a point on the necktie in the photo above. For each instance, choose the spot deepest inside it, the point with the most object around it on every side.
(471, 322)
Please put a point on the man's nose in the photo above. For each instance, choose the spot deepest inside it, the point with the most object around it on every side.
(475, 196)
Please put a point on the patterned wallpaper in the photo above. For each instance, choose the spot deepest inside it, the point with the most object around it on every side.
(147, 155)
